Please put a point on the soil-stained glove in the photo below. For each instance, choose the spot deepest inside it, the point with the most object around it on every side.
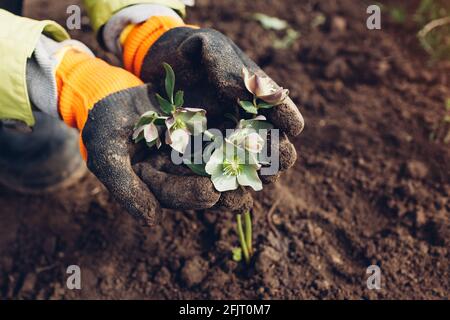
(209, 68)
(104, 103)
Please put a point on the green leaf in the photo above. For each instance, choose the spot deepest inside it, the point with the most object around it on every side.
(198, 169)
(255, 124)
(270, 23)
(160, 121)
(179, 99)
(248, 107)
(146, 118)
(447, 104)
(265, 105)
(165, 105)
(237, 254)
(170, 81)
(142, 121)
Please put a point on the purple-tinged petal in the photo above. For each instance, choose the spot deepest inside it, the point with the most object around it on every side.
(195, 110)
(276, 97)
(151, 133)
(265, 86)
(249, 81)
(170, 122)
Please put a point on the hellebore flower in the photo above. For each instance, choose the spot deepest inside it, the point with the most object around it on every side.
(146, 129)
(183, 123)
(264, 88)
(231, 166)
(247, 139)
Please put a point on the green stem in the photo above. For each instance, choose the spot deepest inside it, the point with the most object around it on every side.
(240, 231)
(248, 232)
(255, 103)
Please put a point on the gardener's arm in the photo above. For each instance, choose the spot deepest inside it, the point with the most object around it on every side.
(42, 67)
(146, 33)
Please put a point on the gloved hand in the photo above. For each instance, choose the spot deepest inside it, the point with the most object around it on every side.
(111, 152)
(208, 67)
(104, 103)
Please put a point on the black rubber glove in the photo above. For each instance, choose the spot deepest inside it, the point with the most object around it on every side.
(208, 66)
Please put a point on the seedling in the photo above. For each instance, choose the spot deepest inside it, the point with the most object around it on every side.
(180, 122)
(235, 161)
(274, 23)
(433, 19)
(244, 231)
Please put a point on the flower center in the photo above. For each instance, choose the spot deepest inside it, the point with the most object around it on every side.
(179, 124)
(232, 167)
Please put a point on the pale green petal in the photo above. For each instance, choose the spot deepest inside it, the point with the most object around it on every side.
(249, 177)
(215, 162)
(137, 132)
(224, 182)
(197, 123)
(179, 140)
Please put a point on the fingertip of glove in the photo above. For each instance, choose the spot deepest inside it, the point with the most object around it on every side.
(287, 117)
(288, 155)
(239, 200)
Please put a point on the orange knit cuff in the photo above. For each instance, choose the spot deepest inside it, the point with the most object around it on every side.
(82, 81)
(142, 37)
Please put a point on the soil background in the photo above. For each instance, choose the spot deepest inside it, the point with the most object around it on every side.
(369, 186)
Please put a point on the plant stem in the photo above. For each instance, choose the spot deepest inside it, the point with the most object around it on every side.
(428, 28)
(255, 102)
(240, 231)
(248, 232)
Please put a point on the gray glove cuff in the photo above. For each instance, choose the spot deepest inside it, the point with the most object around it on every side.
(131, 15)
(41, 73)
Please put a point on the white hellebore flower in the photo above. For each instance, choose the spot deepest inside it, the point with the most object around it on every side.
(247, 139)
(231, 166)
(264, 88)
(183, 123)
(146, 129)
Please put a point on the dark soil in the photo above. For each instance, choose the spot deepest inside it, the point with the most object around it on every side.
(369, 187)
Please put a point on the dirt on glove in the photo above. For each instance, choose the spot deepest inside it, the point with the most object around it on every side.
(369, 186)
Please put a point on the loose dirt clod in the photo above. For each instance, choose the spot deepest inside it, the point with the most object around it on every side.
(193, 271)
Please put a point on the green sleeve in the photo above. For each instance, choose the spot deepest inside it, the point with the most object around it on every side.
(100, 11)
(18, 39)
